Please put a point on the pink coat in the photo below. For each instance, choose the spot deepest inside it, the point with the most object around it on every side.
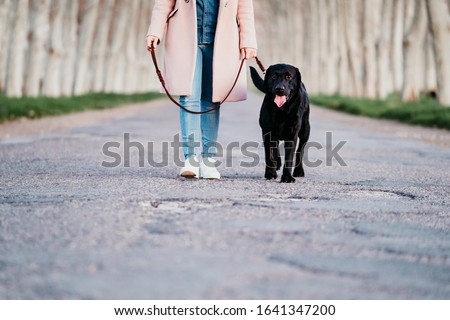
(235, 30)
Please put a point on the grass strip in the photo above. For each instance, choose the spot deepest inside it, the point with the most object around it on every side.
(426, 111)
(32, 108)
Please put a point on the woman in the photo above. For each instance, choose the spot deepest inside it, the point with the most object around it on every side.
(205, 43)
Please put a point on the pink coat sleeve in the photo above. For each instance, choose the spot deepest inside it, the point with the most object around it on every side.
(246, 17)
(161, 12)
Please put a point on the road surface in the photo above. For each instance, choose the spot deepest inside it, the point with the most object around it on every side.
(375, 228)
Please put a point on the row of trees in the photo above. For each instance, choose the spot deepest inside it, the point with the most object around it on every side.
(65, 47)
(365, 48)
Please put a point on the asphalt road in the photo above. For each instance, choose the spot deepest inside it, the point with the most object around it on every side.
(70, 228)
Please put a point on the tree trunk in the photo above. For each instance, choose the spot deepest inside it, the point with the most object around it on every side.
(129, 51)
(52, 80)
(333, 82)
(397, 46)
(430, 79)
(307, 43)
(5, 9)
(147, 79)
(414, 57)
(372, 15)
(344, 79)
(296, 22)
(353, 39)
(18, 42)
(438, 14)
(297, 49)
(315, 48)
(39, 29)
(86, 39)
(115, 62)
(70, 29)
(322, 34)
(385, 77)
(99, 51)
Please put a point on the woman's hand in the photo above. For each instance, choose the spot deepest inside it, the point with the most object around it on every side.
(248, 53)
(151, 40)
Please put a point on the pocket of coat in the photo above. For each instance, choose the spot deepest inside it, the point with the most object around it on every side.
(171, 15)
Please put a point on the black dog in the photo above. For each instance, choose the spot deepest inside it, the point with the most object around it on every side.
(284, 116)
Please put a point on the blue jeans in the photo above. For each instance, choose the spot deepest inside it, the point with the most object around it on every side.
(206, 126)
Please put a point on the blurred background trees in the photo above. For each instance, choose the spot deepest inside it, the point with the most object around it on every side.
(363, 48)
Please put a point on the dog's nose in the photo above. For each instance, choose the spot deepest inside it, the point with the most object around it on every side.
(279, 90)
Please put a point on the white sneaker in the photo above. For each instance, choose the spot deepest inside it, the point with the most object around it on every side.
(208, 169)
(191, 169)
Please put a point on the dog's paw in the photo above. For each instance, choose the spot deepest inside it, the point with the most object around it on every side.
(287, 179)
(299, 173)
(271, 175)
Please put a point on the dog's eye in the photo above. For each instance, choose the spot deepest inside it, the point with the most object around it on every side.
(288, 77)
(275, 76)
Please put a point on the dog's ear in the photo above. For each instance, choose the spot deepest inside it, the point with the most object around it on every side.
(266, 79)
(257, 80)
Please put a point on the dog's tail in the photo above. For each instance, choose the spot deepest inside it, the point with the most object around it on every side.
(257, 80)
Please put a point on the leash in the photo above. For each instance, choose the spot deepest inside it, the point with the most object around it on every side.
(218, 105)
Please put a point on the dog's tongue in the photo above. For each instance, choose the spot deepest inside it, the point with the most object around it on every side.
(280, 101)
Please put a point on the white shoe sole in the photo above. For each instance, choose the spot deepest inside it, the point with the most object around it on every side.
(210, 178)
